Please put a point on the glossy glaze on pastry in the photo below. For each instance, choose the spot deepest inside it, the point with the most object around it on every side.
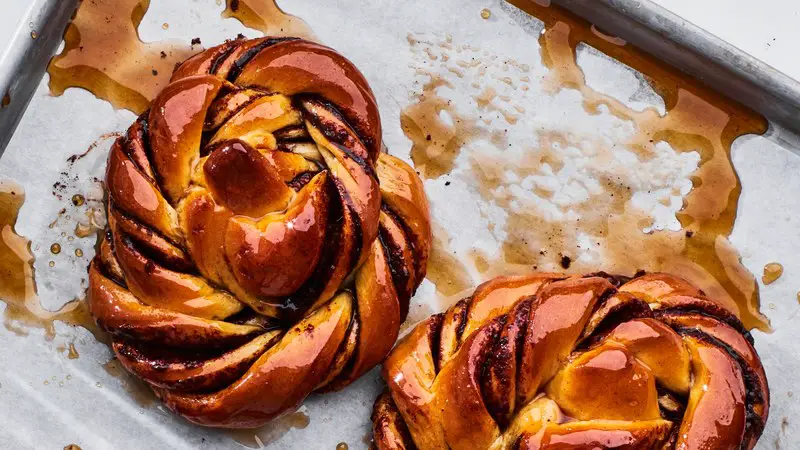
(550, 361)
(260, 245)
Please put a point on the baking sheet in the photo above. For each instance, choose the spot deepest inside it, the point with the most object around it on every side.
(49, 400)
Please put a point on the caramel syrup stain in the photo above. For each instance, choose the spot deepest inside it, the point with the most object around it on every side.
(104, 55)
(262, 437)
(697, 119)
(72, 352)
(78, 200)
(772, 272)
(437, 142)
(608, 37)
(17, 285)
(267, 17)
(444, 268)
(95, 222)
(366, 439)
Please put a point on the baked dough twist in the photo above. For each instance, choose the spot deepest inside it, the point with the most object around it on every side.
(549, 361)
(260, 245)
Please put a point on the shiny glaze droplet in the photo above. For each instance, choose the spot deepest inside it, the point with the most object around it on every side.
(78, 200)
(772, 272)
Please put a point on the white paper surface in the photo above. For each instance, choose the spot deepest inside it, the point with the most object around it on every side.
(81, 403)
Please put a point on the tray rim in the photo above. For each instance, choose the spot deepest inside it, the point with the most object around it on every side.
(25, 60)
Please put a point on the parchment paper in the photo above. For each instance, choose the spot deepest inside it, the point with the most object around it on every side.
(48, 400)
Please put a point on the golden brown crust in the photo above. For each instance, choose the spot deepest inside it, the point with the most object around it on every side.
(260, 246)
(549, 361)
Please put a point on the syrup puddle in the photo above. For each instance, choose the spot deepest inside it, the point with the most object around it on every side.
(136, 388)
(17, 285)
(70, 350)
(104, 55)
(545, 220)
(267, 17)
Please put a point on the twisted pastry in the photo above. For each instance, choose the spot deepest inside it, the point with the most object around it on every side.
(260, 246)
(550, 361)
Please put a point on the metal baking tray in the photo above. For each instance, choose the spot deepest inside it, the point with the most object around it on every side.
(33, 32)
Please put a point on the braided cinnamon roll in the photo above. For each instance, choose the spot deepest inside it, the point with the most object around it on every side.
(260, 245)
(549, 361)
